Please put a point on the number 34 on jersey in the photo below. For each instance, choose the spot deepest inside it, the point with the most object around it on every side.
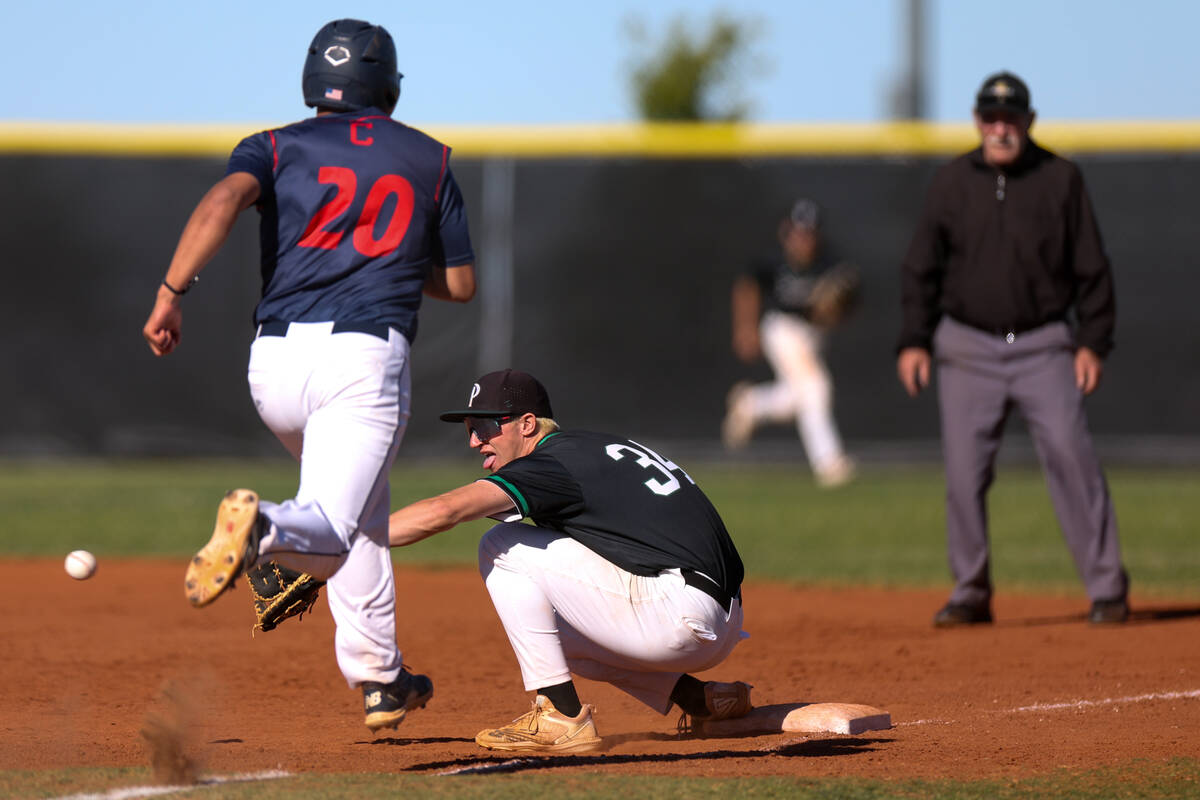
(648, 459)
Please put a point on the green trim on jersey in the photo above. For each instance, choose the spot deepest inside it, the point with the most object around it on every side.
(542, 441)
(513, 492)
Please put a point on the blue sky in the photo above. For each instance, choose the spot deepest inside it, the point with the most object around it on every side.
(527, 61)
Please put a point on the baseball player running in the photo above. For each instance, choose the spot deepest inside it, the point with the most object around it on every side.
(773, 315)
(627, 575)
(360, 215)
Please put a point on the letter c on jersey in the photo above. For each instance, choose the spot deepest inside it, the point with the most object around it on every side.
(354, 126)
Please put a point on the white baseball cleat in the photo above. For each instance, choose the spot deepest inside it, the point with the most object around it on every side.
(738, 426)
(836, 473)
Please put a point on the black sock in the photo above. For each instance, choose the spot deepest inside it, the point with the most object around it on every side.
(688, 694)
(564, 698)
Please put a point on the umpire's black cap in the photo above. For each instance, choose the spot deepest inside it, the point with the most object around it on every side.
(1003, 92)
(506, 393)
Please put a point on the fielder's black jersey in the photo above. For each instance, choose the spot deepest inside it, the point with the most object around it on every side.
(356, 209)
(623, 501)
(785, 289)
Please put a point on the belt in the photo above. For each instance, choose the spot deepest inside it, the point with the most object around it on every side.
(706, 585)
(1010, 333)
(275, 327)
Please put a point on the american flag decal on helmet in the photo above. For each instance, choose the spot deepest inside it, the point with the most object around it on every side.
(333, 94)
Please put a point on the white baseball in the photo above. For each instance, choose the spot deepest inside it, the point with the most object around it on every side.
(80, 565)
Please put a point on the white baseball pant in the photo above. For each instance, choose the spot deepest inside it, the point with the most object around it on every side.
(567, 610)
(339, 403)
(802, 389)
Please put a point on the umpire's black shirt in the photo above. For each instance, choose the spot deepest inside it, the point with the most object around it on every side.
(1006, 251)
(625, 502)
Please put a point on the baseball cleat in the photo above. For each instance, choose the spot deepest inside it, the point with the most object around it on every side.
(232, 548)
(838, 472)
(726, 700)
(544, 730)
(738, 425)
(387, 704)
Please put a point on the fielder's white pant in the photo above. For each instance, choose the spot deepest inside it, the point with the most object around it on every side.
(802, 389)
(567, 610)
(339, 403)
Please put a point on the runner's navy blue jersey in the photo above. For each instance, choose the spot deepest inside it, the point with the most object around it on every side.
(356, 209)
(623, 501)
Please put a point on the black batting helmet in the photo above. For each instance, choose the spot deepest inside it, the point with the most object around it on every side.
(351, 65)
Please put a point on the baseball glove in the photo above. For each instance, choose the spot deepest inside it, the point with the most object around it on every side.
(834, 295)
(280, 593)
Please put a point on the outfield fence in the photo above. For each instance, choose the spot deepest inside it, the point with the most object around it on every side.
(605, 256)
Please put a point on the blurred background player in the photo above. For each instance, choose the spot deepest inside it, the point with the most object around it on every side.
(1007, 249)
(627, 575)
(774, 316)
(359, 215)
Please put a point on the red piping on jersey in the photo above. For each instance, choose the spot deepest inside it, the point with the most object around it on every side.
(357, 119)
(442, 174)
(274, 152)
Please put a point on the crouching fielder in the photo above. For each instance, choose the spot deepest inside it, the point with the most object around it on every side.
(627, 574)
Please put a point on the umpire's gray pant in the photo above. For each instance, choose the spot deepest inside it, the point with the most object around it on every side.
(981, 377)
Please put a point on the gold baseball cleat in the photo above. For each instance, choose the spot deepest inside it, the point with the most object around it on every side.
(544, 730)
(232, 548)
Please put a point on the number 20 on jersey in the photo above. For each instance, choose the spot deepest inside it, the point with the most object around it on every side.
(318, 233)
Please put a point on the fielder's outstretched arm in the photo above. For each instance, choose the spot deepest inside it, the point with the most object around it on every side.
(433, 515)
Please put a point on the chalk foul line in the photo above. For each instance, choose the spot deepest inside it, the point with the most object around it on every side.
(1190, 694)
(1111, 701)
(133, 792)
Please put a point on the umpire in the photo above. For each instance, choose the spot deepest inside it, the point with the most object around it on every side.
(1006, 253)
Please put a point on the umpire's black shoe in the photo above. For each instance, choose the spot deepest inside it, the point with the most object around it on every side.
(954, 614)
(386, 704)
(1109, 612)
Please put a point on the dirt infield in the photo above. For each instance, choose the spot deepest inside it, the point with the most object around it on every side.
(89, 665)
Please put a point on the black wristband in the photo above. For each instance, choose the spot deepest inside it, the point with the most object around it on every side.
(180, 292)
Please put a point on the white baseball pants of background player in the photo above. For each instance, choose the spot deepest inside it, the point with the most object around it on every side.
(802, 391)
(567, 610)
(339, 402)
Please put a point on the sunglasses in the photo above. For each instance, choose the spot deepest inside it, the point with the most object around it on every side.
(485, 428)
(992, 117)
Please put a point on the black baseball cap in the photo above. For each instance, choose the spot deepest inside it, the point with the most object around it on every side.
(506, 393)
(1003, 92)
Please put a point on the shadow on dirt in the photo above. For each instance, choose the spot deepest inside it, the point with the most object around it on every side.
(1152, 614)
(405, 742)
(1137, 615)
(818, 748)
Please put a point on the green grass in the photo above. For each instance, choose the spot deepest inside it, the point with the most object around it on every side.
(1179, 778)
(885, 529)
